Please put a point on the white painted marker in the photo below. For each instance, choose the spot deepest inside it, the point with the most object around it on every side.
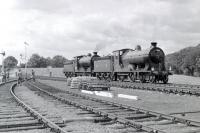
(88, 92)
(104, 94)
(128, 96)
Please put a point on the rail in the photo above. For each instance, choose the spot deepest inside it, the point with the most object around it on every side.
(125, 121)
(10, 81)
(32, 112)
(182, 89)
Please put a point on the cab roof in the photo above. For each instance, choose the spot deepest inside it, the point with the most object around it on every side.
(125, 49)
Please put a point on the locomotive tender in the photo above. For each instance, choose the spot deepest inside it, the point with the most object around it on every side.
(144, 65)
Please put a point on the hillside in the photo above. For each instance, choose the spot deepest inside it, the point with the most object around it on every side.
(185, 61)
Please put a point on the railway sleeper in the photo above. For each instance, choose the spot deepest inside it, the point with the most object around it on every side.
(107, 108)
(19, 124)
(139, 116)
(110, 122)
(137, 126)
(11, 113)
(84, 113)
(167, 122)
(127, 113)
(22, 128)
(102, 119)
(179, 90)
(148, 119)
(14, 116)
(15, 120)
(114, 111)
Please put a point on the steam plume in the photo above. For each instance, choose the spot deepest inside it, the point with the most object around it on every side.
(99, 47)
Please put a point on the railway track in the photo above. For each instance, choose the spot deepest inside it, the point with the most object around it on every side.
(140, 119)
(13, 117)
(169, 88)
(16, 115)
(182, 89)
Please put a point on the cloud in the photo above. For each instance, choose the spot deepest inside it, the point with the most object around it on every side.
(73, 27)
(48, 6)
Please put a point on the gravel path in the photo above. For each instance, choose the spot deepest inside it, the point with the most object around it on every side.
(155, 101)
(51, 107)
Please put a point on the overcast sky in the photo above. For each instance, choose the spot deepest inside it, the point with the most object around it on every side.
(74, 27)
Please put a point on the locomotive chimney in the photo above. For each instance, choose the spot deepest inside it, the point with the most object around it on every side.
(138, 48)
(94, 53)
(153, 44)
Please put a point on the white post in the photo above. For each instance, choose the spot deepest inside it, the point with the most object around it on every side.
(3, 54)
(20, 61)
(26, 44)
(2, 68)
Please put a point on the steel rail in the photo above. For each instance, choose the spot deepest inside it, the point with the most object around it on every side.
(119, 119)
(10, 81)
(152, 84)
(52, 78)
(135, 125)
(173, 118)
(151, 87)
(193, 90)
(160, 115)
(35, 114)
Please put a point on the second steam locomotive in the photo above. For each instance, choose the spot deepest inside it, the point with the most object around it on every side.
(144, 65)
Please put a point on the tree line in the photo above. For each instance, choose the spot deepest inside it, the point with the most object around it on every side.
(186, 61)
(35, 61)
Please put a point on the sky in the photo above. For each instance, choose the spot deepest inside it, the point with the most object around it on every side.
(76, 27)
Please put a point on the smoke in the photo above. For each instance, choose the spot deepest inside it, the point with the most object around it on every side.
(99, 47)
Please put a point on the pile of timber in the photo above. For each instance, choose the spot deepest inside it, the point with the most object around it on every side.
(86, 83)
(69, 80)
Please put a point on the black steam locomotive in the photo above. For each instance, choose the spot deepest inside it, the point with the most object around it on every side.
(143, 65)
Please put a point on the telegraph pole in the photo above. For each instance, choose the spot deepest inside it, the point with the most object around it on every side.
(3, 53)
(20, 60)
(2, 68)
(26, 44)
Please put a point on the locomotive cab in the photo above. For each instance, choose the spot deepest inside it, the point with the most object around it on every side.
(118, 54)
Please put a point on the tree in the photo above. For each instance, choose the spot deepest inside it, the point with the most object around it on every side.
(49, 61)
(22, 65)
(10, 62)
(198, 66)
(198, 62)
(189, 65)
(58, 61)
(43, 62)
(37, 61)
(185, 61)
(34, 60)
